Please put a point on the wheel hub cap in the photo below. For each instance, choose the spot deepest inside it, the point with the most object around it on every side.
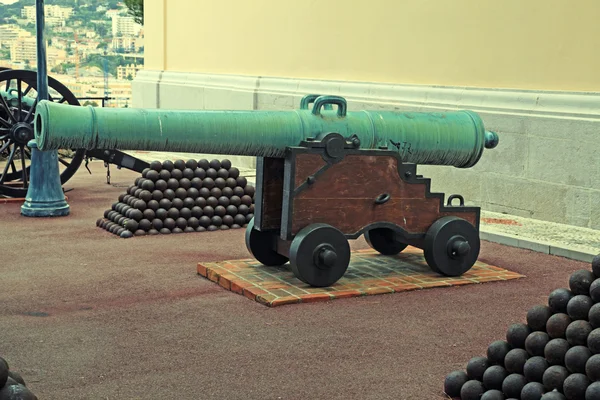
(21, 132)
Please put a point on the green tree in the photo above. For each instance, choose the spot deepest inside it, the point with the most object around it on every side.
(129, 77)
(135, 8)
(90, 103)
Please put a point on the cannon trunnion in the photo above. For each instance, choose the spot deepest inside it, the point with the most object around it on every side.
(327, 191)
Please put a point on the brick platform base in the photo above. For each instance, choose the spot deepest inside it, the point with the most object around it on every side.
(369, 273)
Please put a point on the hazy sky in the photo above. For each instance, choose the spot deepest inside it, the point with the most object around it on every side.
(8, 1)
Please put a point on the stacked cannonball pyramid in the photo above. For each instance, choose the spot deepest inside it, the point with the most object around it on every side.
(12, 385)
(555, 356)
(180, 196)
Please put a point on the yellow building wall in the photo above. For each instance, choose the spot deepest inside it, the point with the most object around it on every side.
(520, 44)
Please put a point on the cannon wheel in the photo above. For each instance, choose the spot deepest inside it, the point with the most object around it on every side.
(383, 240)
(260, 245)
(16, 129)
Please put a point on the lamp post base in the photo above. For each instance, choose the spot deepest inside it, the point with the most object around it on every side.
(45, 197)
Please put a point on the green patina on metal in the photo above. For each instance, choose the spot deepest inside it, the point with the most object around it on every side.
(12, 98)
(452, 138)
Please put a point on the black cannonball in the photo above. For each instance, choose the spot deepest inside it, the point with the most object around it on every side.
(249, 217)
(232, 210)
(188, 174)
(157, 224)
(120, 220)
(554, 377)
(494, 376)
(153, 205)
(557, 325)
(185, 213)
(226, 164)
(536, 342)
(188, 229)
(204, 164)
(157, 195)
(196, 211)
(230, 183)
(153, 175)
(212, 201)
(200, 202)
(169, 194)
(593, 341)
(594, 316)
(247, 200)
(580, 281)
(185, 183)
(106, 212)
(16, 392)
(251, 208)
(555, 351)
(577, 332)
(492, 395)
(165, 203)
(146, 195)
(211, 173)
(173, 213)
(243, 209)
(138, 179)
(595, 290)
(576, 358)
(181, 193)
(513, 385)
(193, 222)
(125, 198)
(181, 223)
(596, 266)
(156, 166)
(222, 173)
(145, 225)
(131, 190)
(191, 164)
(148, 185)
(140, 232)
(98, 221)
(204, 221)
(472, 390)
(204, 192)
(165, 231)
(223, 227)
(137, 215)
(559, 299)
(476, 366)
(234, 172)
(216, 192)
(177, 203)
(579, 307)
(516, 335)
(177, 230)
(238, 191)
(220, 183)
(537, 317)
(179, 164)
(208, 183)
(553, 396)
(216, 221)
(196, 183)
(169, 223)
(241, 181)
(122, 197)
(575, 385)
(137, 192)
(249, 190)
(200, 173)
(193, 193)
(168, 165)
(161, 185)
(140, 205)
(515, 361)
(173, 183)
(227, 220)
(240, 220)
(212, 228)
(453, 382)
(223, 201)
(200, 229)
(149, 214)
(532, 391)
(534, 368)
(4, 370)
(592, 368)
(131, 201)
(220, 211)
(152, 232)
(162, 213)
(235, 226)
(593, 391)
(120, 231)
(164, 175)
(215, 164)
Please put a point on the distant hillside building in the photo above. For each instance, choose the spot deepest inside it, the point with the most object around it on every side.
(24, 50)
(54, 15)
(123, 71)
(125, 26)
(127, 44)
(10, 33)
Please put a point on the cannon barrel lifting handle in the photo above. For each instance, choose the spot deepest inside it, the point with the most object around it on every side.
(325, 100)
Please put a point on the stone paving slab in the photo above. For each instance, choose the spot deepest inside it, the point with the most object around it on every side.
(369, 273)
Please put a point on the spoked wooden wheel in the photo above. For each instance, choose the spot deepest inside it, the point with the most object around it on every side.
(18, 100)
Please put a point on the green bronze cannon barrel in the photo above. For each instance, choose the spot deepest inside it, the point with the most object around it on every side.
(453, 138)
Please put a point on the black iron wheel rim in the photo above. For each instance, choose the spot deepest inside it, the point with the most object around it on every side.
(383, 240)
(16, 128)
(436, 246)
(314, 238)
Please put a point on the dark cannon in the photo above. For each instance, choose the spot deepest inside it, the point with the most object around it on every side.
(324, 174)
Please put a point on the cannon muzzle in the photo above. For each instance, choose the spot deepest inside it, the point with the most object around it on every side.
(452, 138)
